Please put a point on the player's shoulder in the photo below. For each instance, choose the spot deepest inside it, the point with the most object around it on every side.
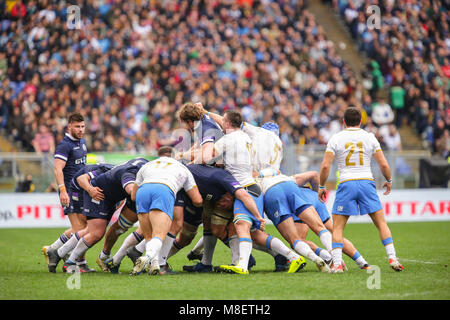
(209, 122)
(65, 141)
(241, 133)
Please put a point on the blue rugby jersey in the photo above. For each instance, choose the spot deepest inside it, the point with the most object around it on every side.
(98, 168)
(73, 152)
(213, 182)
(114, 181)
(207, 130)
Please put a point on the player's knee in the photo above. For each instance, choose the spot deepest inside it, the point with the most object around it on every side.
(219, 231)
(97, 235)
(186, 237)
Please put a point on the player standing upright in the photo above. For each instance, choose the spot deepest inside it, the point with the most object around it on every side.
(70, 156)
(353, 149)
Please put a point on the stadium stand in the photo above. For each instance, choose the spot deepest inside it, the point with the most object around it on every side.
(409, 56)
(131, 65)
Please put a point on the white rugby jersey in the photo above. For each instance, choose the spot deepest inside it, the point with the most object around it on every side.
(167, 171)
(267, 146)
(353, 149)
(237, 151)
(268, 150)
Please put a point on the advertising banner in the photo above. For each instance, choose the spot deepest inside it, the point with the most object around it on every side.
(34, 210)
(408, 205)
(30, 210)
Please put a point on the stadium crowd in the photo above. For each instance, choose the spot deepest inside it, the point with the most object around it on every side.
(410, 54)
(131, 65)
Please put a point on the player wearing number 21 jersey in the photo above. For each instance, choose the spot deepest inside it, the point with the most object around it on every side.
(356, 194)
(353, 149)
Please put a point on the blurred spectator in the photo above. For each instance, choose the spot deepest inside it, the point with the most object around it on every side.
(131, 66)
(19, 10)
(52, 187)
(411, 51)
(382, 113)
(392, 138)
(26, 185)
(440, 138)
(44, 141)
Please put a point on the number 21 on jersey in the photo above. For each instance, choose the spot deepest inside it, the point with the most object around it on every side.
(352, 147)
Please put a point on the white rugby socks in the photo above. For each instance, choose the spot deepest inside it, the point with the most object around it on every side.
(245, 249)
(389, 246)
(167, 244)
(302, 248)
(131, 240)
(326, 239)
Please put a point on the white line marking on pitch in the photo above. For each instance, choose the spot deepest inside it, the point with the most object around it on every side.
(419, 261)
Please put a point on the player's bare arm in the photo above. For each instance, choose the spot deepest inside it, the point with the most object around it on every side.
(325, 167)
(59, 176)
(385, 170)
(195, 196)
(134, 191)
(129, 188)
(309, 176)
(216, 117)
(95, 193)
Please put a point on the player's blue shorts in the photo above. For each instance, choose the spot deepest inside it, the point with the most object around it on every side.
(320, 207)
(242, 213)
(284, 200)
(76, 201)
(191, 214)
(93, 209)
(356, 197)
(152, 196)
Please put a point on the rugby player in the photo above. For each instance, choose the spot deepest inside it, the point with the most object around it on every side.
(154, 191)
(77, 200)
(115, 185)
(266, 163)
(356, 194)
(70, 156)
(308, 183)
(216, 185)
(237, 151)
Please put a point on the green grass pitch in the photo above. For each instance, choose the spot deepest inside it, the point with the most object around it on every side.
(423, 248)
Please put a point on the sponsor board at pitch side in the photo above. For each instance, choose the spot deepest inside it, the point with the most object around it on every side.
(30, 210)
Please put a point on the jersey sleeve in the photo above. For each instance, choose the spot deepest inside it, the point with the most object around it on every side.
(229, 183)
(127, 178)
(331, 145)
(374, 143)
(250, 129)
(95, 173)
(139, 178)
(62, 151)
(190, 181)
